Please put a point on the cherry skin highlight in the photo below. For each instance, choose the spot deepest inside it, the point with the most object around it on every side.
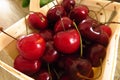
(31, 46)
(67, 42)
(37, 20)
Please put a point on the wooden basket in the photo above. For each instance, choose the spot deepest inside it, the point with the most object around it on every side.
(8, 50)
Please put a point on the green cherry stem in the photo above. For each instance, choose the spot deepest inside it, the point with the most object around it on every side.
(81, 47)
(49, 71)
(102, 7)
(58, 76)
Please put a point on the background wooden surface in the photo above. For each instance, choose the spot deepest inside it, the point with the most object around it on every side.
(11, 11)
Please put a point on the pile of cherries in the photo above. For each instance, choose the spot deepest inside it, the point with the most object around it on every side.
(67, 45)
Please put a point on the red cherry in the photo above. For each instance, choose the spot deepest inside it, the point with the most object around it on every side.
(26, 66)
(50, 55)
(31, 46)
(106, 29)
(67, 42)
(94, 53)
(91, 31)
(68, 5)
(44, 76)
(79, 13)
(37, 20)
(63, 24)
(55, 13)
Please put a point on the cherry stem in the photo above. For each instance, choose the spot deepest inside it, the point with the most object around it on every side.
(81, 47)
(85, 77)
(114, 13)
(58, 77)
(102, 9)
(49, 71)
(1, 29)
(111, 23)
(104, 6)
(95, 14)
(80, 1)
(62, 23)
(58, 13)
(26, 23)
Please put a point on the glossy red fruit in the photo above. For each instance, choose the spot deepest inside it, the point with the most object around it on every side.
(67, 42)
(31, 46)
(51, 55)
(68, 5)
(55, 13)
(37, 20)
(91, 31)
(79, 13)
(63, 24)
(44, 76)
(106, 29)
(26, 66)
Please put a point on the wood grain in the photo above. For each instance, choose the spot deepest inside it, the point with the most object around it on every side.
(10, 12)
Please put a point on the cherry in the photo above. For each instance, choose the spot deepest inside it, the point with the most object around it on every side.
(68, 5)
(95, 53)
(90, 30)
(63, 24)
(31, 46)
(44, 76)
(47, 34)
(26, 66)
(77, 67)
(106, 29)
(51, 55)
(67, 42)
(37, 20)
(79, 13)
(55, 13)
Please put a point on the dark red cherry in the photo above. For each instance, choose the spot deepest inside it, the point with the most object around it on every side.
(47, 34)
(55, 13)
(68, 5)
(51, 55)
(106, 29)
(67, 42)
(90, 30)
(26, 66)
(95, 54)
(31, 46)
(79, 13)
(64, 23)
(37, 20)
(77, 67)
(44, 76)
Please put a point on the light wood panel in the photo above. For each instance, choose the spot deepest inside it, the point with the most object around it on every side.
(10, 12)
